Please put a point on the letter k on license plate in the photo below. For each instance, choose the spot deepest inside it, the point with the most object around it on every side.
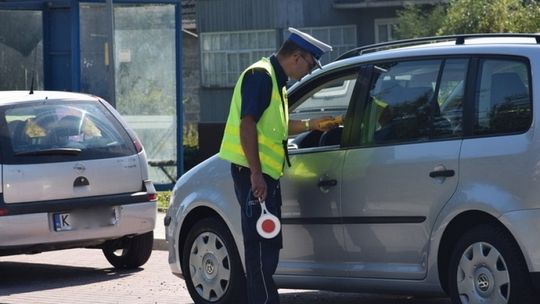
(62, 222)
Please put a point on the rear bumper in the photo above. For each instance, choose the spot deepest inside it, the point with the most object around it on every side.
(60, 205)
(35, 230)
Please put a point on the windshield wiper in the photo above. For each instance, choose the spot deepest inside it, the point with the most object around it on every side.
(56, 151)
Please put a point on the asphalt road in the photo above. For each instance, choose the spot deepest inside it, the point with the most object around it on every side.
(84, 276)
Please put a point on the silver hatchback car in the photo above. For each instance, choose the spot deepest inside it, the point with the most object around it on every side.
(73, 174)
(431, 186)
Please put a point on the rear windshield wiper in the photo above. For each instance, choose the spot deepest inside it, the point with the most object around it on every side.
(56, 151)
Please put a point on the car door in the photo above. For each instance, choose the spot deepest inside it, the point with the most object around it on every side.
(311, 210)
(402, 165)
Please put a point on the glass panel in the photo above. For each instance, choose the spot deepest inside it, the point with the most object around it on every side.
(336, 36)
(215, 43)
(235, 41)
(383, 33)
(329, 99)
(245, 60)
(253, 40)
(244, 41)
(400, 102)
(205, 41)
(269, 40)
(84, 130)
(225, 44)
(21, 50)
(503, 100)
(450, 99)
(349, 35)
(96, 66)
(146, 78)
(391, 30)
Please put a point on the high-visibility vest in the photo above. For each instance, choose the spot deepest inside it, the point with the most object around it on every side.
(272, 127)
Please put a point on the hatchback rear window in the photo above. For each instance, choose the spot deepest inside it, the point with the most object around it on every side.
(55, 130)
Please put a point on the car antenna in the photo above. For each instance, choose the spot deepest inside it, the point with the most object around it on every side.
(33, 72)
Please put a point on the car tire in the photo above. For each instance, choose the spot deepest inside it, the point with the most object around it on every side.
(211, 264)
(486, 266)
(129, 252)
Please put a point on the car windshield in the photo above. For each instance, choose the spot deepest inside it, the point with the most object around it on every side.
(54, 127)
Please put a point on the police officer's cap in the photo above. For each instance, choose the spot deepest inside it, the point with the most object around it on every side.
(310, 44)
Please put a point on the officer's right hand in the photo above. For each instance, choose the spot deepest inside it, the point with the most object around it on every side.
(258, 185)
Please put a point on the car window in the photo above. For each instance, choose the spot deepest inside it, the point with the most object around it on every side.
(503, 102)
(450, 98)
(330, 98)
(403, 105)
(85, 128)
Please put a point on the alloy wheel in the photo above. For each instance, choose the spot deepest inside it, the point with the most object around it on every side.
(483, 276)
(209, 266)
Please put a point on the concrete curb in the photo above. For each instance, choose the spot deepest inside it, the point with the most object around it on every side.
(160, 244)
(159, 233)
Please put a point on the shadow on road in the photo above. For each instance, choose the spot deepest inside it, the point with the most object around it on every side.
(24, 277)
(324, 297)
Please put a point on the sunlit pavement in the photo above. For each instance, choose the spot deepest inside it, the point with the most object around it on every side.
(85, 276)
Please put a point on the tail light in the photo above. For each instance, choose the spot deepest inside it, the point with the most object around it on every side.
(137, 143)
(3, 212)
(152, 197)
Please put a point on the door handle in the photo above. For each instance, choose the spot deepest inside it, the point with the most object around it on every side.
(442, 173)
(327, 183)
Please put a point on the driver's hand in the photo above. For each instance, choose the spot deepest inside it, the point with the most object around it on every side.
(325, 123)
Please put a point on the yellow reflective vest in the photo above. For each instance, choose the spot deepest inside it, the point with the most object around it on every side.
(272, 127)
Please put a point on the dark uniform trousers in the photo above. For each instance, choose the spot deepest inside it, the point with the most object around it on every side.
(261, 255)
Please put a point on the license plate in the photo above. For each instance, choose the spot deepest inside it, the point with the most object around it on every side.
(85, 219)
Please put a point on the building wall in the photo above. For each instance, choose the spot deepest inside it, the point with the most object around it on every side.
(237, 15)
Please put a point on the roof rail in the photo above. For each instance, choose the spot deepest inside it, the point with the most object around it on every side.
(459, 39)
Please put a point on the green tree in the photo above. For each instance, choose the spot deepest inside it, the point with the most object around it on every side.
(469, 16)
(419, 21)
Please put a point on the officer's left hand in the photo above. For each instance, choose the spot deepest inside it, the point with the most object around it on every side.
(258, 186)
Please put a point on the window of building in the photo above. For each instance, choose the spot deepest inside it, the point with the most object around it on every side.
(384, 29)
(225, 55)
(503, 99)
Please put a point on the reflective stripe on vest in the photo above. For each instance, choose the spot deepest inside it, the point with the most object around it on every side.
(272, 127)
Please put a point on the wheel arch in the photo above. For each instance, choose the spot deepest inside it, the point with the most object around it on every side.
(192, 218)
(460, 224)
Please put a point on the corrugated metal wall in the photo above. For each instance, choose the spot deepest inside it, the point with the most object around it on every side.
(228, 15)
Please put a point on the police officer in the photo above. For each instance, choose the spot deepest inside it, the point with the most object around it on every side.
(255, 143)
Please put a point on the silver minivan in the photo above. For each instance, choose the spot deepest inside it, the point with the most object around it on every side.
(431, 185)
(73, 174)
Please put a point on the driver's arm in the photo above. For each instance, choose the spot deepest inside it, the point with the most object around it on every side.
(321, 124)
